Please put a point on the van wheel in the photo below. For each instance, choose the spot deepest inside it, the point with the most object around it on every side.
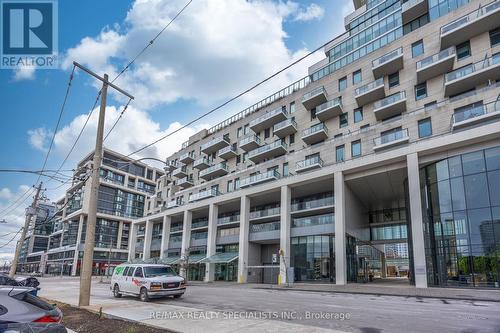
(116, 291)
(143, 295)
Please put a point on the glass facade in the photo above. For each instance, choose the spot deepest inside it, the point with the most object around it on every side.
(313, 258)
(461, 199)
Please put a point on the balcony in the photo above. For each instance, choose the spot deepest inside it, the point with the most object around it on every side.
(370, 92)
(391, 139)
(316, 225)
(187, 158)
(211, 193)
(309, 164)
(228, 152)
(314, 98)
(184, 182)
(260, 178)
(268, 119)
(200, 223)
(437, 64)
(475, 115)
(250, 142)
(388, 63)
(470, 76)
(173, 204)
(214, 171)
(285, 128)
(261, 232)
(267, 214)
(228, 219)
(214, 145)
(329, 109)
(271, 150)
(413, 9)
(180, 172)
(201, 163)
(306, 206)
(464, 28)
(315, 134)
(390, 106)
(171, 166)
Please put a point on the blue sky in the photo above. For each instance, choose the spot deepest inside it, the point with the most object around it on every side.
(215, 49)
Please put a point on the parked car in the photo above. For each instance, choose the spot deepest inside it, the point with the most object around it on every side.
(21, 281)
(19, 305)
(31, 328)
(146, 281)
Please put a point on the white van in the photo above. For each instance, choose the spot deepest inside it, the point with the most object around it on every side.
(146, 281)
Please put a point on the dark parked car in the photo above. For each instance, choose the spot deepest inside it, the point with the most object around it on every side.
(22, 281)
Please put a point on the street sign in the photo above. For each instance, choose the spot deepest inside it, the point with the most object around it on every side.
(275, 258)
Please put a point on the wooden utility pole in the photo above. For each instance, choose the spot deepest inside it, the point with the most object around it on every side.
(88, 252)
(30, 212)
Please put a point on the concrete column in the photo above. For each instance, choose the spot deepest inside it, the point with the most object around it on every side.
(213, 214)
(148, 235)
(132, 240)
(78, 241)
(186, 240)
(285, 225)
(243, 242)
(340, 230)
(119, 236)
(165, 235)
(417, 227)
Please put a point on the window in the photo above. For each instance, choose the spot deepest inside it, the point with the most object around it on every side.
(495, 37)
(246, 128)
(285, 170)
(267, 133)
(342, 83)
(292, 139)
(130, 271)
(340, 153)
(463, 50)
(364, 128)
(343, 120)
(292, 107)
(239, 132)
(393, 80)
(238, 159)
(424, 128)
(313, 114)
(356, 77)
(138, 272)
(420, 91)
(358, 115)
(229, 187)
(236, 183)
(356, 148)
(245, 157)
(417, 48)
(430, 106)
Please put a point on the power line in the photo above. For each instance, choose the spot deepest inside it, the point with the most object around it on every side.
(30, 189)
(117, 120)
(12, 239)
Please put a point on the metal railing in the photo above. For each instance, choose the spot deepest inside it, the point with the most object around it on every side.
(265, 227)
(268, 175)
(213, 142)
(369, 86)
(284, 123)
(313, 220)
(219, 166)
(203, 195)
(332, 103)
(476, 111)
(313, 203)
(313, 93)
(266, 148)
(469, 69)
(314, 129)
(248, 139)
(228, 219)
(461, 21)
(436, 57)
(391, 137)
(267, 115)
(315, 160)
(265, 212)
(389, 100)
(387, 57)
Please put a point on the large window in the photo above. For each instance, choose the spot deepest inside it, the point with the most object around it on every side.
(343, 120)
(313, 258)
(424, 128)
(358, 115)
(393, 80)
(356, 148)
(342, 83)
(495, 37)
(463, 50)
(420, 91)
(462, 227)
(340, 153)
(417, 48)
(356, 77)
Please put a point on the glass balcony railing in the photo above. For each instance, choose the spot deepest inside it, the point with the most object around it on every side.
(187, 156)
(315, 129)
(184, 181)
(313, 220)
(112, 181)
(313, 203)
(387, 57)
(213, 168)
(391, 137)
(228, 219)
(389, 100)
(213, 142)
(199, 235)
(201, 161)
(266, 148)
(266, 116)
(199, 223)
(265, 227)
(259, 178)
(330, 104)
(435, 58)
(313, 93)
(250, 139)
(227, 149)
(309, 162)
(469, 69)
(474, 112)
(175, 239)
(203, 195)
(172, 204)
(177, 227)
(369, 86)
(470, 17)
(265, 212)
(141, 233)
(284, 123)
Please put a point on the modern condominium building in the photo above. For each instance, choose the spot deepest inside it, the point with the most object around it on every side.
(124, 186)
(383, 161)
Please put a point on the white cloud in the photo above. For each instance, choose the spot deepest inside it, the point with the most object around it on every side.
(312, 12)
(38, 138)
(24, 73)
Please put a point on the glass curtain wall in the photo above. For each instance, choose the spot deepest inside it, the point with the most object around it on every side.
(313, 258)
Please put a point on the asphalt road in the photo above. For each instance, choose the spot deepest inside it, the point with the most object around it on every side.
(229, 308)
